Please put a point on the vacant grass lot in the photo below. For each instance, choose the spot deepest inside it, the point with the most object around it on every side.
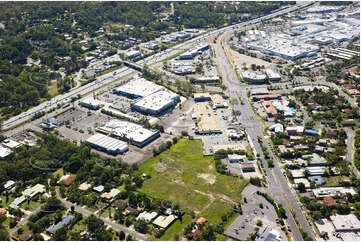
(184, 176)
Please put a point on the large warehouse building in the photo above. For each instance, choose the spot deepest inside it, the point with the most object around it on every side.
(156, 103)
(107, 144)
(155, 99)
(135, 133)
(139, 87)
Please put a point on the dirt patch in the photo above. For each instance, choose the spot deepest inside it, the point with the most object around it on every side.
(159, 167)
(210, 178)
(238, 59)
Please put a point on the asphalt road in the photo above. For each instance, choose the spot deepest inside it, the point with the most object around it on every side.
(111, 76)
(24, 220)
(278, 186)
(116, 226)
(349, 155)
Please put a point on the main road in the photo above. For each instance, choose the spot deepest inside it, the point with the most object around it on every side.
(111, 76)
(278, 186)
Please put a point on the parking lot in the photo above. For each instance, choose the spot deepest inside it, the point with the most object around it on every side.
(80, 124)
(209, 140)
(245, 224)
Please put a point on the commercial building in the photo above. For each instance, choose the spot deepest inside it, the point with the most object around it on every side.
(235, 158)
(133, 54)
(325, 9)
(65, 221)
(202, 97)
(302, 180)
(4, 152)
(153, 46)
(332, 191)
(139, 87)
(91, 103)
(157, 102)
(269, 108)
(345, 223)
(297, 173)
(206, 79)
(259, 91)
(107, 144)
(270, 234)
(295, 130)
(218, 102)
(253, 77)
(266, 97)
(193, 52)
(235, 134)
(283, 46)
(272, 75)
(135, 133)
(182, 68)
(277, 128)
(11, 144)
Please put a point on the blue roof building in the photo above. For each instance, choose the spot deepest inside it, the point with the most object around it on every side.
(66, 220)
(312, 132)
(318, 180)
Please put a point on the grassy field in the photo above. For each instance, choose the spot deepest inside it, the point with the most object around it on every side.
(187, 177)
(334, 180)
(53, 89)
(184, 176)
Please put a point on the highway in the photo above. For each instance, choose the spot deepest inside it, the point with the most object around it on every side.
(278, 186)
(111, 76)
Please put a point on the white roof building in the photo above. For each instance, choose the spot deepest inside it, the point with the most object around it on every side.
(272, 75)
(253, 76)
(91, 102)
(139, 87)
(4, 152)
(9, 184)
(345, 223)
(134, 132)
(156, 102)
(270, 234)
(107, 144)
(294, 130)
(19, 200)
(236, 158)
(277, 128)
(12, 144)
(147, 216)
(332, 191)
